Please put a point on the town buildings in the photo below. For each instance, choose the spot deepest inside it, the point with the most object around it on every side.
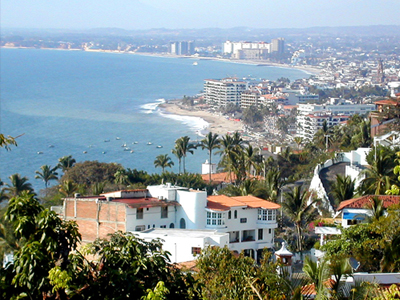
(242, 223)
(253, 50)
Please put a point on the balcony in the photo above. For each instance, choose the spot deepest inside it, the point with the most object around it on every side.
(248, 235)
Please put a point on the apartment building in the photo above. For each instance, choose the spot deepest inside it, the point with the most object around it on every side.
(218, 93)
(311, 117)
(242, 223)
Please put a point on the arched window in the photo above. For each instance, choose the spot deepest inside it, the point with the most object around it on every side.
(171, 225)
(182, 223)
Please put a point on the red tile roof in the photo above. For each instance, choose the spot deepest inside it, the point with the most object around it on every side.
(223, 203)
(364, 201)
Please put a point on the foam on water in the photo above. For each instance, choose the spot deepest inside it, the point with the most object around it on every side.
(197, 124)
(152, 107)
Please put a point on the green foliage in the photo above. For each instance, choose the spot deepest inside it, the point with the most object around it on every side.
(252, 115)
(223, 275)
(210, 142)
(183, 146)
(163, 161)
(7, 141)
(343, 188)
(90, 172)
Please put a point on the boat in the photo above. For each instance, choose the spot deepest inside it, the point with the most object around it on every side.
(117, 138)
(106, 141)
(132, 151)
(159, 146)
(39, 152)
(149, 143)
(195, 63)
(127, 149)
(123, 145)
(51, 146)
(104, 152)
(84, 152)
(135, 142)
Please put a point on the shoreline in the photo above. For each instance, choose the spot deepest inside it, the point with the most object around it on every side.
(216, 123)
(310, 70)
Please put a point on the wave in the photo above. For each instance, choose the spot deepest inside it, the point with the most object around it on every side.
(150, 108)
(195, 124)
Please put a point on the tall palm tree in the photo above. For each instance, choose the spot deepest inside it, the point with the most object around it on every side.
(178, 153)
(185, 147)
(18, 185)
(377, 209)
(296, 209)
(47, 173)
(298, 140)
(66, 162)
(250, 158)
(98, 188)
(121, 177)
(68, 188)
(210, 142)
(273, 182)
(343, 188)
(163, 161)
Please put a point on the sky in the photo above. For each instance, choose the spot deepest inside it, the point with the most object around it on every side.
(177, 14)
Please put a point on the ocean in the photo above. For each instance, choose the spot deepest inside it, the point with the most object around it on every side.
(90, 104)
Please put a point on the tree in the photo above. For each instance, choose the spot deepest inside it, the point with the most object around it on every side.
(46, 242)
(298, 140)
(6, 141)
(89, 172)
(210, 142)
(299, 212)
(18, 185)
(68, 188)
(163, 161)
(178, 153)
(184, 147)
(66, 162)
(47, 173)
(343, 188)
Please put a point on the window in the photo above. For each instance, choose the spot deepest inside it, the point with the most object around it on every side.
(196, 250)
(235, 214)
(140, 228)
(270, 231)
(215, 218)
(172, 225)
(164, 212)
(139, 213)
(260, 234)
(229, 215)
(266, 214)
(243, 220)
(163, 226)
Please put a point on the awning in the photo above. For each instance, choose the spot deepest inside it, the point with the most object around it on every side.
(353, 216)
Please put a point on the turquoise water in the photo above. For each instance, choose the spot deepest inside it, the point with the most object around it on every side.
(75, 100)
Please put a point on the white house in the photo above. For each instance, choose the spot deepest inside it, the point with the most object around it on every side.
(247, 222)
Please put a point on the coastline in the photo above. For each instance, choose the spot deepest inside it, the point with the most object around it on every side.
(216, 123)
(311, 70)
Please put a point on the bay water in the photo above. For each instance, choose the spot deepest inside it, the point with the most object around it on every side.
(90, 104)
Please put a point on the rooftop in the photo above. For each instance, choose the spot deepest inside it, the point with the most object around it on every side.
(183, 233)
(223, 203)
(364, 201)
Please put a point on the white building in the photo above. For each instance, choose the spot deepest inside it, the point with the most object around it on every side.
(311, 116)
(242, 223)
(223, 92)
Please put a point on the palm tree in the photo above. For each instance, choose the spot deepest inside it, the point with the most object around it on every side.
(121, 177)
(18, 185)
(273, 182)
(231, 152)
(297, 210)
(377, 209)
(210, 142)
(98, 188)
(343, 188)
(250, 158)
(163, 161)
(378, 178)
(66, 162)
(185, 147)
(298, 140)
(178, 153)
(48, 173)
(68, 187)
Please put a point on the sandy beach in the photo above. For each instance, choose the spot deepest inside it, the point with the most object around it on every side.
(217, 123)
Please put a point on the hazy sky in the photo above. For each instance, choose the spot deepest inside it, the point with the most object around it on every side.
(145, 14)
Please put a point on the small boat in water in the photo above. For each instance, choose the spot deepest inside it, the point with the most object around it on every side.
(84, 152)
(104, 152)
(106, 141)
(134, 142)
(149, 143)
(127, 149)
(51, 146)
(39, 152)
(132, 151)
(195, 63)
(159, 146)
(117, 138)
(123, 145)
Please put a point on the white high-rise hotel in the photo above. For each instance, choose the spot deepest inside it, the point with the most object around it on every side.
(253, 50)
(220, 93)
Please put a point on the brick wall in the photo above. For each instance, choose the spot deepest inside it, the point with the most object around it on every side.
(96, 220)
